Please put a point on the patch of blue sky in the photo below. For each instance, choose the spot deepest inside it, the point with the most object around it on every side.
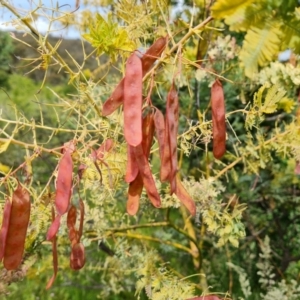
(43, 23)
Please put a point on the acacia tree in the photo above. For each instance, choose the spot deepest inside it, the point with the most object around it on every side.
(241, 201)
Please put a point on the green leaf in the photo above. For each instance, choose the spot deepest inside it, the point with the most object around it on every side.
(224, 8)
(272, 98)
(260, 46)
(107, 37)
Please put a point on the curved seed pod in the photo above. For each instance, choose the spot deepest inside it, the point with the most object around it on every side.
(115, 100)
(159, 123)
(153, 53)
(4, 228)
(172, 115)
(55, 257)
(53, 229)
(64, 183)
(71, 221)
(133, 100)
(136, 187)
(184, 197)
(150, 56)
(106, 146)
(77, 259)
(18, 223)
(134, 193)
(218, 119)
(147, 177)
(166, 160)
(147, 132)
(132, 167)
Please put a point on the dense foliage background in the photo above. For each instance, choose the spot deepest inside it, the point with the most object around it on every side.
(244, 241)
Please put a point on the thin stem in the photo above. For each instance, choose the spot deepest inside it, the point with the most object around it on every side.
(46, 127)
(222, 172)
(180, 43)
(157, 240)
(30, 146)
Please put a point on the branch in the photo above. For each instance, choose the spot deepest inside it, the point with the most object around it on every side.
(222, 172)
(157, 240)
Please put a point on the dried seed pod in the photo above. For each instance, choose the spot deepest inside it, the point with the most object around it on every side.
(115, 100)
(71, 221)
(136, 187)
(134, 193)
(166, 161)
(218, 119)
(145, 171)
(159, 124)
(172, 115)
(117, 97)
(147, 132)
(184, 197)
(17, 228)
(153, 53)
(133, 100)
(55, 257)
(64, 181)
(132, 167)
(106, 146)
(77, 259)
(53, 229)
(4, 228)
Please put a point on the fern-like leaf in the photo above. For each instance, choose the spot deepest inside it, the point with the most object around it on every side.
(224, 8)
(272, 98)
(260, 47)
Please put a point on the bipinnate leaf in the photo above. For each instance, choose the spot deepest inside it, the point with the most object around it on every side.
(260, 46)
(224, 8)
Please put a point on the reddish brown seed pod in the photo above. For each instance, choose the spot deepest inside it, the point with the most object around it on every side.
(153, 53)
(166, 160)
(77, 259)
(184, 197)
(133, 100)
(218, 119)
(159, 124)
(147, 132)
(106, 146)
(64, 183)
(116, 99)
(136, 186)
(55, 257)
(148, 180)
(71, 222)
(17, 228)
(53, 229)
(132, 167)
(172, 115)
(4, 227)
(134, 193)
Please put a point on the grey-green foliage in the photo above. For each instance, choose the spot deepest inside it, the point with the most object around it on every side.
(243, 279)
(272, 289)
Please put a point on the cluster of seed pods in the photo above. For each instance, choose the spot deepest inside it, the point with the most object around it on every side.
(140, 125)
